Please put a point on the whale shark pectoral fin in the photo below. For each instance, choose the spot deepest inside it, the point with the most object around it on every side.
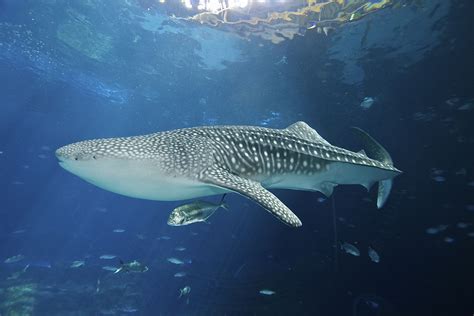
(252, 190)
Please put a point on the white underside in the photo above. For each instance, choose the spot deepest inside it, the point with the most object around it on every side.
(139, 180)
(337, 174)
(144, 180)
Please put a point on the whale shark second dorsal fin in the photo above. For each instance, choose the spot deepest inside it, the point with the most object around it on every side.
(362, 152)
(253, 190)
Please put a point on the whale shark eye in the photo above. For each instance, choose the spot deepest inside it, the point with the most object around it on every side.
(94, 157)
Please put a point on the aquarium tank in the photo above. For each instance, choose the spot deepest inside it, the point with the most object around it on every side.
(236, 157)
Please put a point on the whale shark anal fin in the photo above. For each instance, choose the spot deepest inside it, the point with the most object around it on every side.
(252, 190)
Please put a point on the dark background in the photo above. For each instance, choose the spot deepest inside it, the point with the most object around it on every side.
(51, 96)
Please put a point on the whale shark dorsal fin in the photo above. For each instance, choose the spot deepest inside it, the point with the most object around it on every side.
(252, 190)
(304, 131)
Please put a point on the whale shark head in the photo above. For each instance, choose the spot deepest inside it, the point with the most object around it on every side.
(120, 165)
(146, 167)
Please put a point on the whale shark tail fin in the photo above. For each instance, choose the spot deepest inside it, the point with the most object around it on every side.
(376, 151)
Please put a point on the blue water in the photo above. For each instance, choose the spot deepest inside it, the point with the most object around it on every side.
(74, 70)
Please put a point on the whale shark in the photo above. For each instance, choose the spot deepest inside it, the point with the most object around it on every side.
(208, 160)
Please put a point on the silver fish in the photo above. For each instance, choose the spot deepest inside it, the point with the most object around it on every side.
(107, 257)
(77, 264)
(133, 266)
(367, 103)
(180, 274)
(174, 260)
(195, 212)
(350, 249)
(164, 238)
(14, 259)
(373, 255)
(184, 291)
(110, 268)
(266, 292)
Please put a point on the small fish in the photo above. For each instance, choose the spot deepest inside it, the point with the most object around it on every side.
(350, 249)
(14, 259)
(77, 264)
(432, 231)
(180, 274)
(198, 211)
(128, 309)
(452, 101)
(327, 29)
(107, 257)
(282, 61)
(110, 268)
(373, 255)
(133, 266)
(184, 291)
(367, 103)
(266, 292)
(321, 199)
(372, 304)
(471, 234)
(164, 238)
(470, 207)
(435, 171)
(180, 248)
(40, 264)
(174, 260)
(463, 225)
(16, 275)
(466, 107)
(119, 230)
(437, 229)
(448, 240)
(439, 178)
(20, 231)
